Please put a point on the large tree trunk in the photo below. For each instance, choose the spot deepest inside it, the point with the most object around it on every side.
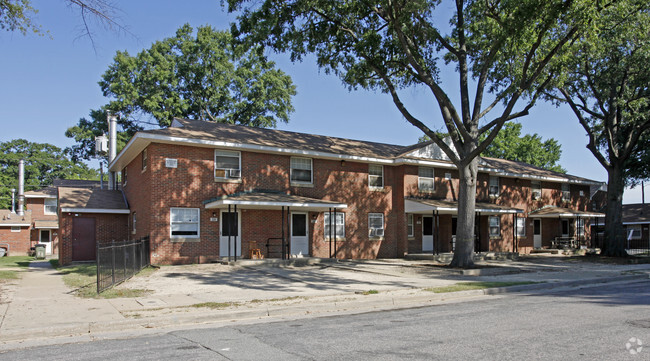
(464, 252)
(614, 244)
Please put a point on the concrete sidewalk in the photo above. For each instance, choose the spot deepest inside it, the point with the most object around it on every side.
(42, 308)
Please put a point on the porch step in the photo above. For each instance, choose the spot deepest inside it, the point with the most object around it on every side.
(277, 262)
(447, 257)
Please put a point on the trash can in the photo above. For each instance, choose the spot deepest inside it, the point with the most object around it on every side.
(2, 252)
(40, 251)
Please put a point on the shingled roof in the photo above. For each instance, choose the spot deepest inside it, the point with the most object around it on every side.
(636, 213)
(92, 200)
(211, 134)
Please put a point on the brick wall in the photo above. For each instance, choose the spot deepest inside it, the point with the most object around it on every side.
(37, 206)
(108, 227)
(18, 242)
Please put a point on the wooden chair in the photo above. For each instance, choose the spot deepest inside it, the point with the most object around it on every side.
(253, 251)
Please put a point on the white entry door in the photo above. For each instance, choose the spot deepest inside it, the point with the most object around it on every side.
(427, 234)
(299, 235)
(46, 240)
(537, 233)
(230, 226)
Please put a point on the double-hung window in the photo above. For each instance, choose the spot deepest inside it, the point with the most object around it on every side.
(425, 179)
(375, 176)
(338, 223)
(494, 186)
(50, 206)
(410, 230)
(134, 218)
(521, 227)
(495, 226)
(184, 222)
(144, 159)
(536, 189)
(301, 170)
(227, 164)
(375, 224)
(566, 192)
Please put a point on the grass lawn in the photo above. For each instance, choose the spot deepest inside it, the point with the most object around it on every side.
(8, 275)
(15, 261)
(83, 278)
(464, 286)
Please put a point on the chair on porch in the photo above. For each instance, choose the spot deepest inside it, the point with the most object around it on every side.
(253, 251)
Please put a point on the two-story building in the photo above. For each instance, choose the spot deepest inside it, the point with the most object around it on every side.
(203, 190)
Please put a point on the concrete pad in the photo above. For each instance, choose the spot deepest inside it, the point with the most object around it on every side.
(151, 302)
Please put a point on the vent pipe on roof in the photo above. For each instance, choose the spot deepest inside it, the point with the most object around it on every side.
(13, 200)
(21, 187)
(112, 148)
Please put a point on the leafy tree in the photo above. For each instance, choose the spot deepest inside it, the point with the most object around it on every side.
(15, 15)
(43, 163)
(86, 130)
(205, 77)
(509, 144)
(637, 167)
(503, 52)
(608, 90)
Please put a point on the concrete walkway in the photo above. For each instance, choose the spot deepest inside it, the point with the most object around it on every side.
(41, 309)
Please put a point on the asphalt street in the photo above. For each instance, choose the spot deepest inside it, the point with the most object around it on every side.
(603, 322)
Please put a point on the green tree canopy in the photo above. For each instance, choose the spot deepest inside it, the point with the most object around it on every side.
(15, 15)
(608, 89)
(204, 76)
(43, 163)
(503, 52)
(510, 144)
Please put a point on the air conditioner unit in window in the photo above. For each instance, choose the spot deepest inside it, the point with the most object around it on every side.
(234, 173)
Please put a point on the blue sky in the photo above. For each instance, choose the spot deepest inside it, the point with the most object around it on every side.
(47, 84)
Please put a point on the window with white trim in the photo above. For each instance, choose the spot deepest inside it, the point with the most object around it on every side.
(375, 224)
(338, 223)
(425, 179)
(134, 223)
(580, 226)
(536, 189)
(144, 159)
(633, 232)
(521, 227)
(301, 170)
(15, 229)
(227, 164)
(184, 222)
(410, 230)
(493, 189)
(375, 176)
(49, 206)
(495, 226)
(124, 176)
(566, 192)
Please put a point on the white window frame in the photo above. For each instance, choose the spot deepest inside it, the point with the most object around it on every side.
(184, 236)
(521, 228)
(15, 229)
(134, 222)
(427, 179)
(634, 229)
(497, 226)
(536, 189)
(124, 176)
(145, 159)
(580, 227)
(566, 192)
(311, 170)
(227, 172)
(494, 186)
(375, 176)
(410, 225)
(337, 236)
(376, 232)
(45, 206)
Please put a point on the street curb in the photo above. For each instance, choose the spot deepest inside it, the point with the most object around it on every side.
(359, 304)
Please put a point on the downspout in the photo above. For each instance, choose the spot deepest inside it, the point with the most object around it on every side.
(21, 187)
(112, 148)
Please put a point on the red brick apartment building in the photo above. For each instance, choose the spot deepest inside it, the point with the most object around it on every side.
(202, 191)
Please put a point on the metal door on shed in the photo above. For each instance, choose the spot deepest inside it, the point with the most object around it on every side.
(84, 243)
